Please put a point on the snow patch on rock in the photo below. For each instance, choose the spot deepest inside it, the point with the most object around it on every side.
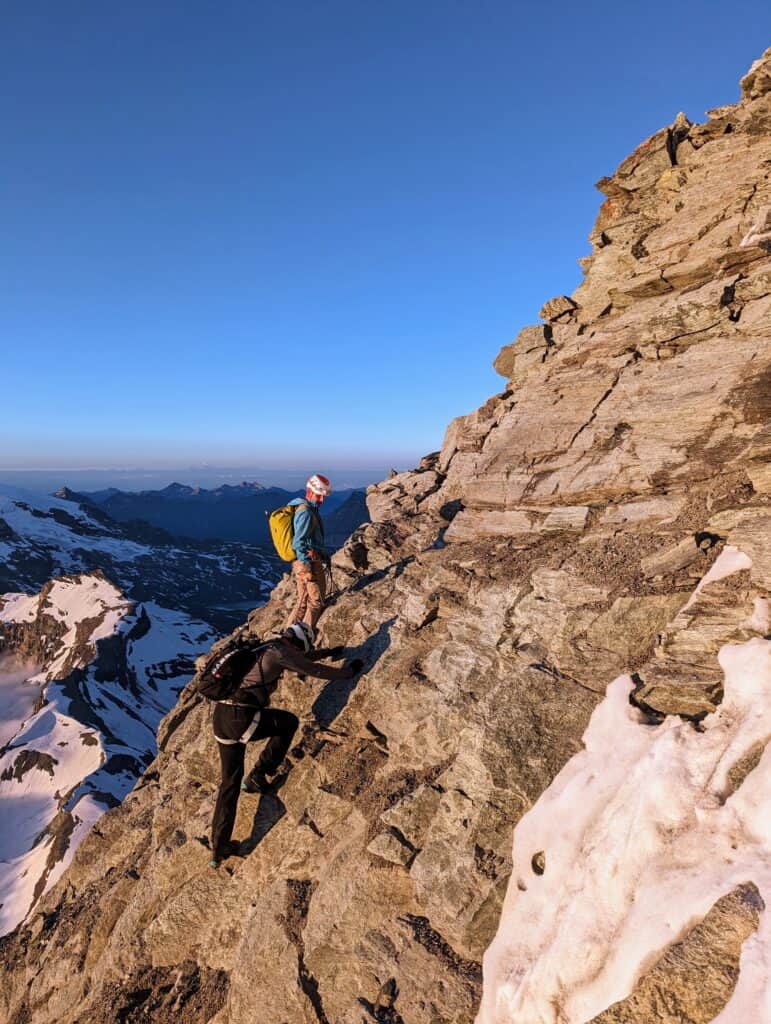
(632, 844)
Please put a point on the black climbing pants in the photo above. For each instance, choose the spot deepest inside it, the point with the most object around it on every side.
(280, 726)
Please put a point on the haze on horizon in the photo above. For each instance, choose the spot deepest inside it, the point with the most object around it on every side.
(48, 480)
(287, 237)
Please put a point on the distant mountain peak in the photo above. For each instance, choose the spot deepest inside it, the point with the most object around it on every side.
(245, 487)
(176, 488)
(66, 494)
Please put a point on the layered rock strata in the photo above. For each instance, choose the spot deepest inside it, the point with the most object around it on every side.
(562, 539)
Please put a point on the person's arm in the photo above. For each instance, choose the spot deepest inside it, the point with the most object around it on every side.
(292, 659)
(302, 530)
(327, 652)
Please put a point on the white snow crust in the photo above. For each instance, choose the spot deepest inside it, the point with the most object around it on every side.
(30, 517)
(641, 835)
(19, 607)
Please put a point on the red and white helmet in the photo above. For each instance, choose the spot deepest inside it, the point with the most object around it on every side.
(319, 484)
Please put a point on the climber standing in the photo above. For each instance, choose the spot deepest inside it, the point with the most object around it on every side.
(246, 716)
(312, 558)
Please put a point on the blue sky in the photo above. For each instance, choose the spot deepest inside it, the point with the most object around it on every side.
(256, 233)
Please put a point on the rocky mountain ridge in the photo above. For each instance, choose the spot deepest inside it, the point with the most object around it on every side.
(567, 605)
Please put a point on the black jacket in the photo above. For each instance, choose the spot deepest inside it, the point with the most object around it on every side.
(231, 718)
(262, 680)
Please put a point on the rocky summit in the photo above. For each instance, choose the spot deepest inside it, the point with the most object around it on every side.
(564, 616)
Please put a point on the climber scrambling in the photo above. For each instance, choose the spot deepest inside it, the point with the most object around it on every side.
(308, 543)
(245, 716)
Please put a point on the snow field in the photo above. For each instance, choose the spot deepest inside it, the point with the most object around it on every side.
(641, 835)
(19, 607)
(42, 529)
(83, 750)
(17, 696)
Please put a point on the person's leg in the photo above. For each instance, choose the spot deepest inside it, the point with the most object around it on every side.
(232, 764)
(316, 590)
(280, 726)
(301, 578)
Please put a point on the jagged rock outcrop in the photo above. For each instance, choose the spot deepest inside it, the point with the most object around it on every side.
(563, 537)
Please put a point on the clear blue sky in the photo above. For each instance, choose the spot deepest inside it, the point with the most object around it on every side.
(266, 233)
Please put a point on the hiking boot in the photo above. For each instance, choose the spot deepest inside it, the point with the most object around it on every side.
(228, 850)
(255, 782)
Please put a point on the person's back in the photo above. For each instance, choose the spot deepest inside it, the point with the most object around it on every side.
(247, 716)
(308, 544)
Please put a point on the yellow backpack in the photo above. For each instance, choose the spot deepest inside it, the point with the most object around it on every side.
(281, 523)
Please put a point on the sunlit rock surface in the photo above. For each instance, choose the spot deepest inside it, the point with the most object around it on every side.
(556, 544)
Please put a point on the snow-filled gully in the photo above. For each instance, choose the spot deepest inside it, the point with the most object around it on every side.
(641, 834)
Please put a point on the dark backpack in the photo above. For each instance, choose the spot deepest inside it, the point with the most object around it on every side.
(224, 672)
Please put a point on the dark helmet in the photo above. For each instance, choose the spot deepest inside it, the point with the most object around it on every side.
(303, 633)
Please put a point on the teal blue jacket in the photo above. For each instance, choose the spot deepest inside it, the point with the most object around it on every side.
(307, 529)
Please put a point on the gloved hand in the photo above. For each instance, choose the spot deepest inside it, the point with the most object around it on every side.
(332, 652)
(356, 666)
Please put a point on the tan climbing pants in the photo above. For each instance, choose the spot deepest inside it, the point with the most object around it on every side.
(311, 590)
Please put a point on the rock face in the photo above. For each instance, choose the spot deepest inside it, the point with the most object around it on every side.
(85, 678)
(659, 824)
(569, 534)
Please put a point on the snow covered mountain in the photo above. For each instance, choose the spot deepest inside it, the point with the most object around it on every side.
(90, 661)
(85, 677)
(42, 537)
(547, 797)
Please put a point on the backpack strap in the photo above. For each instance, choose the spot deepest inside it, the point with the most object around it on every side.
(259, 651)
(315, 515)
